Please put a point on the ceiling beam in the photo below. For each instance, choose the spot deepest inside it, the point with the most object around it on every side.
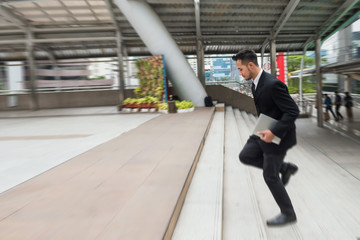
(336, 16)
(57, 40)
(280, 22)
(197, 19)
(17, 20)
(284, 17)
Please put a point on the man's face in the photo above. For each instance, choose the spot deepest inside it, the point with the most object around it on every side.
(243, 70)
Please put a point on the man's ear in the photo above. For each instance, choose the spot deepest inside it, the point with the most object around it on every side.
(251, 65)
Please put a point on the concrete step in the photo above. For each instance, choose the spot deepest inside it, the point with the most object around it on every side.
(242, 219)
(220, 107)
(248, 120)
(314, 201)
(244, 130)
(324, 192)
(201, 214)
(266, 204)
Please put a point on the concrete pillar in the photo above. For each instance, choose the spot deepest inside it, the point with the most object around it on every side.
(262, 55)
(301, 79)
(347, 86)
(273, 57)
(34, 105)
(319, 99)
(200, 62)
(159, 41)
(121, 79)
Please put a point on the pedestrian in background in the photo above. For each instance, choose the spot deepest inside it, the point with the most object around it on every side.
(328, 106)
(338, 104)
(348, 105)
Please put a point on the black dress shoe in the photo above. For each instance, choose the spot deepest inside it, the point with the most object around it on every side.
(281, 219)
(290, 170)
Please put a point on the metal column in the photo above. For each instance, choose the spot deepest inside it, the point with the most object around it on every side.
(262, 55)
(273, 57)
(119, 46)
(34, 104)
(200, 62)
(301, 80)
(199, 45)
(318, 82)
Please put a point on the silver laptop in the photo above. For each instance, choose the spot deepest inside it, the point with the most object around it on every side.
(263, 123)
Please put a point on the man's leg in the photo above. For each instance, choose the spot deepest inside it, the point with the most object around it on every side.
(252, 154)
(338, 114)
(332, 112)
(272, 166)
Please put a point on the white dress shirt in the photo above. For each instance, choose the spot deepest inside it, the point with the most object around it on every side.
(256, 80)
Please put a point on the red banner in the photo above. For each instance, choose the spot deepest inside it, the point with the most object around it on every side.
(280, 67)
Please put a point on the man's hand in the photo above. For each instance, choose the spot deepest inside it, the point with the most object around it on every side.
(267, 135)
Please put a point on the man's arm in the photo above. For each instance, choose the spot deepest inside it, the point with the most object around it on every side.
(287, 106)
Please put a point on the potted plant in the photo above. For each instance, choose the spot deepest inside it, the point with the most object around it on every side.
(184, 106)
(163, 107)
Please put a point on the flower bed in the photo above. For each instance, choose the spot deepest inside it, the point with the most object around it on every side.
(141, 103)
(182, 107)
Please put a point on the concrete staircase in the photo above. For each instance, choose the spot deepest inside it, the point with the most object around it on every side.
(221, 202)
(228, 200)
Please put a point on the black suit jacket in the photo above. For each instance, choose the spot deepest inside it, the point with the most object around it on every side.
(272, 99)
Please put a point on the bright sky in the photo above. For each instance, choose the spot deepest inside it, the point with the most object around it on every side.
(356, 26)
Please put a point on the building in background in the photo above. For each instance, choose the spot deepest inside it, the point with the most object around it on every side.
(73, 73)
(222, 69)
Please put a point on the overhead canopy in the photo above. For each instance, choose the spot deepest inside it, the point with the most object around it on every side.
(87, 28)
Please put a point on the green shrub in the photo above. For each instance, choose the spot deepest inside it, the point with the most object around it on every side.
(163, 106)
(184, 104)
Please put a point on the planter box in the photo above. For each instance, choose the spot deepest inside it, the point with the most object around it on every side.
(185, 110)
(148, 105)
(163, 111)
(131, 106)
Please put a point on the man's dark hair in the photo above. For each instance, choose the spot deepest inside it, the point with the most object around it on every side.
(246, 56)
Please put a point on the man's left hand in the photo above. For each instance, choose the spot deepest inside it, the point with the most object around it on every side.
(267, 135)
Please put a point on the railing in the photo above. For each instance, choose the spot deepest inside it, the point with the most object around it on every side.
(308, 103)
(244, 88)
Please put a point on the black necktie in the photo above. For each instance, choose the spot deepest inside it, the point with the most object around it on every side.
(253, 88)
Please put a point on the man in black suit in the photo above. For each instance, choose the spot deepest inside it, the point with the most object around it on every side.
(271, 98)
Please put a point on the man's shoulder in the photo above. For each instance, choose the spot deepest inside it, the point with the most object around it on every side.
(270, 79)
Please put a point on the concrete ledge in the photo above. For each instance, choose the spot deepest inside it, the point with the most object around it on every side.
(66, 99)
(127, 188)
(231, 98)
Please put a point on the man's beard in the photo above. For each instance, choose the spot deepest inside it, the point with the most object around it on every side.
(250, 78)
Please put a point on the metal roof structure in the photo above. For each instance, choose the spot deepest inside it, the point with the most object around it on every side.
(64, 29)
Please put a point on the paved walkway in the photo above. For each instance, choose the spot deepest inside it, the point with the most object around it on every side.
(349, 128)
(34, 142)
(128, 187)
(60, 112)
(88, 196)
